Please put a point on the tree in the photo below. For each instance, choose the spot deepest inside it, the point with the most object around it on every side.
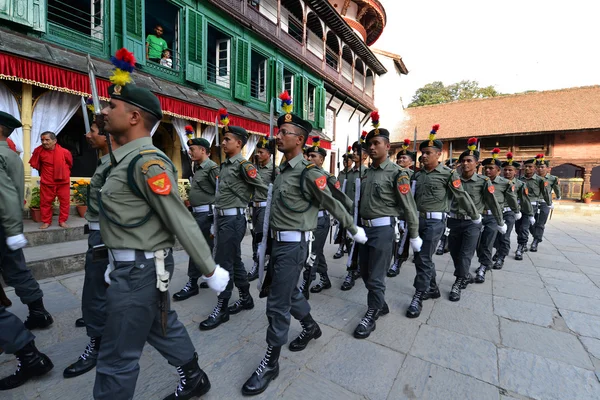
(437, 93)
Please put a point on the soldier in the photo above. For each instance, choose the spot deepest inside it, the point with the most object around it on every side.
(297, 193)
(140, 215)
(510, 168)
(202, 200)
(266, 170)
(238, 181)
(550, 184)
(405, 159)
(93, 298)
(451, 163)
(493, 215)
(385, 193)
(12, 261)
(15, 338)
(537, 193)
(341, 237)
(433, 186)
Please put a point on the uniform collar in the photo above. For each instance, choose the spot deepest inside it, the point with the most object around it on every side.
(205, 163)
(237, 157)
(473, 178)
(383, 165)
(438, 168)
(104, 159)
(267, 165)
(293, 162)
(4, 144)
(127, 148)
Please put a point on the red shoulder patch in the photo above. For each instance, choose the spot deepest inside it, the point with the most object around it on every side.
(526, 191)
(321, 182)
(512, 188)
(456, 183)
(160, 184)
(251, 172)
(337, 184)
(404, 188)
(546, 183)
(491, 188)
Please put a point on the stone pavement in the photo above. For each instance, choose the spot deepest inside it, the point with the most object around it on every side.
(531, 331)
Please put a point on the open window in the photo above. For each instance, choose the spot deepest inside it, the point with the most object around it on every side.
(79, 22)
(163, 36)
(311, 101)
(288, 81)
(218, 63)
(258, 76)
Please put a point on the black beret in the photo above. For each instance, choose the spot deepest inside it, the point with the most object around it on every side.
(511, 164)
(545, 162)
(9, 121)
(431, 143)
(137, 96)
(199, 142)
(378, 132)
(364, 145)
(238, 131)
(264, 143)
(407, 152)
(292, 119)
(316, 149)
(530, 161)
(466, 153)
(491, 161)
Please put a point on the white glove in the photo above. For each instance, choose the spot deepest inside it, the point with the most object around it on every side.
(518, 216)
(109, 269)
(502, 228)
(551, 206)
(16, 242)
(416, 243)
(531, 220)
(218, 280)
(478, 220)
(360, 236)
(212, 229)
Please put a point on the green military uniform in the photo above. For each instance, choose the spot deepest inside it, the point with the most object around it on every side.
(539, 197)
(550, 184)
(341, 238)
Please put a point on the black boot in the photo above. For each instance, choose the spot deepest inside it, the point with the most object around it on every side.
(348, 282)
(79, 323)
(219, 315)
(267, 370)
(325, 283)
(440, 249)
(499, 263)
(367, 324)
(31, 363)
(253, 274)
(467, 281)
(87, 361)
(433, 292)
(519, 252)
(394, 269)
(340, 252)
(385, 310)
(245, 301)
(304, 286)
(414, 309)
(190, 289)
(480, 275)
(534, 245)
(495, 257)
(193, 382)
(38, 316)
(310, 330)
(457, 286)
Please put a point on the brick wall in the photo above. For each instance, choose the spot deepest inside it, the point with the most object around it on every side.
(576, 145)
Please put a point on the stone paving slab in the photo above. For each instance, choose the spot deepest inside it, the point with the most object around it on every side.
(524, 311)
(517, 291)
(468, 322)
(582, 324)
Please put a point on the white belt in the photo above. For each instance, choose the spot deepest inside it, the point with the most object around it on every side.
(200, 209)
(459, 216)
(505, 209)
(534, 203)
(126, 255)
(432, 215)
(259, 204)
(290, 236)
(323, 213)
(381, 221)
(94, 226)
(228, 212)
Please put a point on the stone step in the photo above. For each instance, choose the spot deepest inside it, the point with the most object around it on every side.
(576, 208)
(49, 260)
(54, 234)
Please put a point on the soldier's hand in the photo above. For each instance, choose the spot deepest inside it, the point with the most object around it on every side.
(532, 220)
(551, 206)
(478, 220)
(502, 228)
(360, 236)
(218, 280)
(16, 242)
(518, 216)
(109, 269)
(212, 229)
(415, 244)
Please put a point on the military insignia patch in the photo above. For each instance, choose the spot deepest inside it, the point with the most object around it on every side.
(251, 172)
(456, 183)
(117, 90)
(526, 191)
(404, 188)
(160, 184)
(146, 166)
(288, 118)
(337, 184)
(491, 188)
(546, 183)
(321, 182)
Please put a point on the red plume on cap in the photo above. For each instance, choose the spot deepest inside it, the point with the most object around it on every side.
(349, 149)
(539, 155)
(189, 130)
(407, 141)
(495, 153)
(363, 136)
(509, 155)
(435, 128)
(472, 144)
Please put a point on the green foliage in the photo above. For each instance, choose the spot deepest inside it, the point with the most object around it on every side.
(587, 195)
(437, 93)
(35, 198)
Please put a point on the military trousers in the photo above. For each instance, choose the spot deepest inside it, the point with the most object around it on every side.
(402, 246)
(540, 222)
(323, 225)
(204, 221)
(430, 231)
(258, 220)
(229, 251)
(133, 318)
(285, 299)
(486, 242)
(93, 297)
(374, 258)
(462, 241)
(16, 274)
(502, 244)
(523, 226)
(13, 334)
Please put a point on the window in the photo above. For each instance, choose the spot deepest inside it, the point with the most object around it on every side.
(258, 76)
(295, 28)
(83, 16)
(162, 22)
(218, 64)
(311, 101)
(288, 82)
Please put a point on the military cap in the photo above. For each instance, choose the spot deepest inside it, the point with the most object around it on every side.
(9, 121)
(432, 141)
(449, 162)
(376, 131)
(237, 131)
(530, 161)
(137, 96)
(199, 142)
(315, 147)
(348, 153)
(510, 161)
(494, 160)
(539, 160)
(263, 143)
(292, 119)
(405, 151)
(471, 146)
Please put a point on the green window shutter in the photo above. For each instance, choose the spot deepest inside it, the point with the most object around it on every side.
(242, 68)
(278, 84)
(29, 13)
(304, 109)
(133, 31)
(39, 15)
(298, 100)
(195, 40)
(320, 105)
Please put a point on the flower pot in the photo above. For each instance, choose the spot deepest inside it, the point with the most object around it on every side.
(36, 214)
(187, 203)
(587, 200)
(81, 209)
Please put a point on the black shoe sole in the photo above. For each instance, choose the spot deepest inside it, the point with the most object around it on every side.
(319, 289)
(479, 281)
(413, 315)
(223, 320)
(248, 393)
(364, 336)
(454, 299)
(315, 337)
(79, 323)
(239, 310)
(181, 298)
(391, 274)
(46, 324)
(347, 287)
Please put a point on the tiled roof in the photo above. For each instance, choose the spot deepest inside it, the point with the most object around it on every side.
(527, 113)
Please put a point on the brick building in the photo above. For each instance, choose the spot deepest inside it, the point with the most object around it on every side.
(563, 124)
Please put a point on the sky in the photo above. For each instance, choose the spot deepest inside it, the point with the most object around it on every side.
(514, 45)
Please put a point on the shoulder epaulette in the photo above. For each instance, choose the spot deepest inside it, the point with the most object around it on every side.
(215, 166)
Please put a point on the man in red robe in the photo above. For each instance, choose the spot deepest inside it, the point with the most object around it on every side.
(54, 164)
(11, 145)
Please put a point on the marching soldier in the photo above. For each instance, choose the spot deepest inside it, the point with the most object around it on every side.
(140, 215)
(433, 186)
(266, 170)
(12, 261)
(202, 199)
(451, 163)
(536, 190)
(550, 184)
(298, 191)
(510, 168)
(493, 215)
(341, 237)
(238, 181)
(405, 159)
(385, 193)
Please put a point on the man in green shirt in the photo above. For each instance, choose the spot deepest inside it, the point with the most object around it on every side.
(538, 195)
(155, 45)
(550, 184)
(341, 238)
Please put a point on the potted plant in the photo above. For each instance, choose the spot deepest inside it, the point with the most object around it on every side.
(184, 192)
(80, 193)
(587, 197)
(34, 205)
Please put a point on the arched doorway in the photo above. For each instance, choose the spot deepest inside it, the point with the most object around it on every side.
(595, 182)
